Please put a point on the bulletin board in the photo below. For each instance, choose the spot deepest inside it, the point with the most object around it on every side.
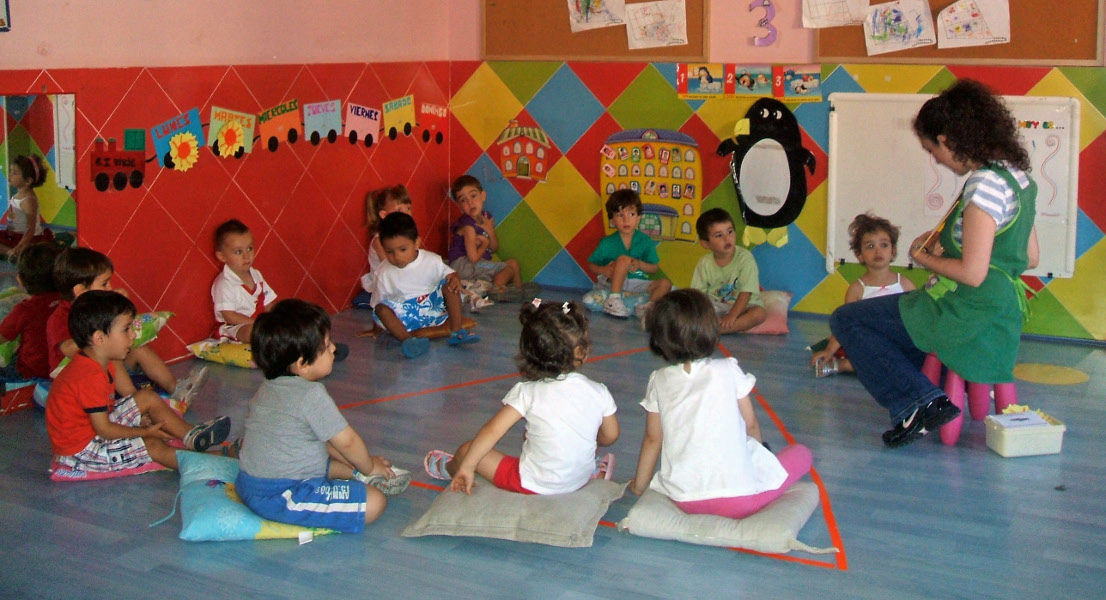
(877, 164)
(539, 30)
(1042, 32)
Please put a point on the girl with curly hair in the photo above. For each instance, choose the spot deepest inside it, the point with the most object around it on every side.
(971, 311)
(567, 415)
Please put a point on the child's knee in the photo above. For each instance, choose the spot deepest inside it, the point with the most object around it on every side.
(375, 503)
(146, 399)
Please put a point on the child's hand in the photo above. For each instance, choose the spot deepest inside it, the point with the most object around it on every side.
(487, 221)
(155, 432)
(463, 480)
(382, 466)
(820, 357)
(728, 321)
(453, 283)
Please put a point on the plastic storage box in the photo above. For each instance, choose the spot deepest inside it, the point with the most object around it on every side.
(1010, 436)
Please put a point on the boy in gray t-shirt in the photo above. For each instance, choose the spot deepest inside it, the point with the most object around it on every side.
(301, 462)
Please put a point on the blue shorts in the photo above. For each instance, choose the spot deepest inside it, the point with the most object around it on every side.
(424, 311)
(336, 504)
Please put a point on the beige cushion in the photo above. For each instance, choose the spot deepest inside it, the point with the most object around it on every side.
(567, 520)
(773, 529)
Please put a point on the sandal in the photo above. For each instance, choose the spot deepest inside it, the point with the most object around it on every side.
(462, 336)
(435, 462)
(604, 468)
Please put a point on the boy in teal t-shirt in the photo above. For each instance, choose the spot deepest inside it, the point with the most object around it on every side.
(624, 261)
(728, 275)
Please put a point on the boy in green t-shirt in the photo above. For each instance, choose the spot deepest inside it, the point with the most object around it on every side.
(625, 260)
(728, 275)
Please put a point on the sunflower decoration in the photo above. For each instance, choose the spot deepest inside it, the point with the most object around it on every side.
(230, 139)
(184, 150)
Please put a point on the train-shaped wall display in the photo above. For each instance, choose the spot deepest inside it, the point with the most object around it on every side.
(231, 134)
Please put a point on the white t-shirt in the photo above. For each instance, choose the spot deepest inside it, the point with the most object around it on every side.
(562, 421)
(228, 293)
(705, 452)
(420, 277)
(375, 261)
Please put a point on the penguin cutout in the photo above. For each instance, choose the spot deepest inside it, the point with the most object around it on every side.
(767, 165)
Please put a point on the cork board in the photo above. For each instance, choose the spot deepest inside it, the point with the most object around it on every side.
(1042, 32)
(539, 30)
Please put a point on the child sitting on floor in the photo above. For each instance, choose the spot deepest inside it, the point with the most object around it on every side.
(699, 420)
(301, 462)
(379, 204)
(415, 289)
(27, 320)
(90, 430)
(567, 415)
(474, 241)
(239, 292)
(79, 270)
(874, 242)
(728, 275)
(624, 261)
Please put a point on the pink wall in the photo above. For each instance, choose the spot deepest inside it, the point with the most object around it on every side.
(120, 33)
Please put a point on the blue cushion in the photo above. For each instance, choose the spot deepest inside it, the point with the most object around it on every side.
(211, 510)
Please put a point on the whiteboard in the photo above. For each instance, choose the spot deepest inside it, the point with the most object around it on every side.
(877, 164)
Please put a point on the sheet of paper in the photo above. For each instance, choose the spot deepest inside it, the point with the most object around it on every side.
(653, 24)
(974, 23)
(1025, 419)
(593, 14)
(833, 13)
(898, 25)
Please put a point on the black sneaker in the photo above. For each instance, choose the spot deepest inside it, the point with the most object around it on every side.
(206, 435)
(908, 430)
(939, 412)
(341, 351)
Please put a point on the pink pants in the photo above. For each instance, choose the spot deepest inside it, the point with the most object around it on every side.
(796, 460)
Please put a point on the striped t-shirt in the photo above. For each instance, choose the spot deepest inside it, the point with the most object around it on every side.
(989, 191)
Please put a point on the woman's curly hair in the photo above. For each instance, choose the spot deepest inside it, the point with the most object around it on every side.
(552, 333)
(977, 126)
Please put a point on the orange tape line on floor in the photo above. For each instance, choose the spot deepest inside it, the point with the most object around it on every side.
(841, 560)
(462, 384)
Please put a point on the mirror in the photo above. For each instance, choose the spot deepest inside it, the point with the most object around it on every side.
(39, 126)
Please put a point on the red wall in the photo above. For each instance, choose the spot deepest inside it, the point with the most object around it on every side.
(304, 203)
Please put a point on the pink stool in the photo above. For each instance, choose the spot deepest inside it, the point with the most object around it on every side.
(979, 397)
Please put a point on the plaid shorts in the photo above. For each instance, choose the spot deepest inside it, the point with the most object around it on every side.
(107, 456)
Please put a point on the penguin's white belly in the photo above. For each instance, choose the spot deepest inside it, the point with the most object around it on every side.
(765, 177)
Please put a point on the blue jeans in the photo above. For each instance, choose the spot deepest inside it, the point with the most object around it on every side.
(886, 360)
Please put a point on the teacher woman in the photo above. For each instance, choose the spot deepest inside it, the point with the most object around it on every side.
(971, 311)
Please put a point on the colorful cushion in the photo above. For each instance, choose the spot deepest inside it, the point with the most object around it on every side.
(773, 529)
(60, 472)
(147, 326)
(227, 352)
(8, 299)
(776, 304)
(211, 510)
(567, 520)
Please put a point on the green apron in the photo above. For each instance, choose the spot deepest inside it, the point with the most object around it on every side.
(975, 331)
